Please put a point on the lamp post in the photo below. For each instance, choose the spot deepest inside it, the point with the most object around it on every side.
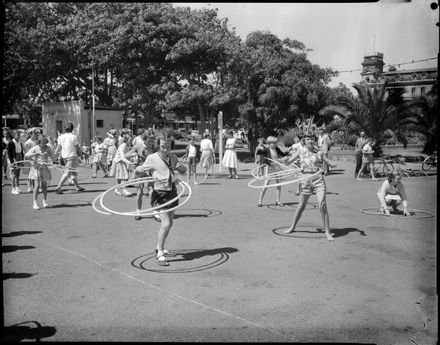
(93, 104)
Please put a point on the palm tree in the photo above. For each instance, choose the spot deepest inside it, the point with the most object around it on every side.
(424, 110)
(379, 112)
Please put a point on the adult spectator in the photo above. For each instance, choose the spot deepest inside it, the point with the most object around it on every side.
(71, 152)
(360, 142)
(15, 154)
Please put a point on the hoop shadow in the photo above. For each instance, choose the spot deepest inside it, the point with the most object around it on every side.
(337, 232)
(18, 333)
(209, 213)
(10, 249)
(16, 275)
(309, 206)
(185, 255)
(19, 233)
(336, 172)
(208, 183)
(87, 203)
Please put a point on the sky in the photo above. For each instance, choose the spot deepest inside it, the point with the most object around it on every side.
(340, 34)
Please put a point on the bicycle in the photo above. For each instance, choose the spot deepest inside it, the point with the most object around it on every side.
(430, 162)
(383, 165)
(408, 172)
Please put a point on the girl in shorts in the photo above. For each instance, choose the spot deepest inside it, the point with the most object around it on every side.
(161, 166)
(39, 171)
(192, 153)
(311, 161)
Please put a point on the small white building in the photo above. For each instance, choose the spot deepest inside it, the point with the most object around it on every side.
(56, 115)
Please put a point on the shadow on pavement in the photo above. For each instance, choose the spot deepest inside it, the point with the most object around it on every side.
(19, 233)
(71, 205)
(16, 275)
(345, 231)
(199, 253)
(18, 333)
(204, 213)
(9, 249)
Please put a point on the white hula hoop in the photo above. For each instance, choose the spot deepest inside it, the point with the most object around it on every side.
(279, 163)
(376, 212)
(149, 211)
(303, 178)
(253, 172)
(279, 174)
(203, 180)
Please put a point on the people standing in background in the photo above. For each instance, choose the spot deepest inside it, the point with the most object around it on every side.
(110, 144)
(99, 158)
(40, 172)
(230, 160)
(121, 165)
(30, 143)
(15, 154)
(70, 150)
(207, 158)
(367, 159)
(360, 142)
(192, 153)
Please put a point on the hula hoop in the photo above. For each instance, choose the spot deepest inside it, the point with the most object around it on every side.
(276, 174)
(151, 210)
(145, 212)
(303, 178)
(203, 180)
(279, 163)
(253, 172)
(375, 212)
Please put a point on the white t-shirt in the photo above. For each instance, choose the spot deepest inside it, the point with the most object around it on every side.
(192, 151)
(206, 144)
(68, 142)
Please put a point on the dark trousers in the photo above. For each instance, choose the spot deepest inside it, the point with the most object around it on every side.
(358, 160)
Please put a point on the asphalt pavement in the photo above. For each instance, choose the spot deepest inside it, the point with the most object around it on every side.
(72, 274)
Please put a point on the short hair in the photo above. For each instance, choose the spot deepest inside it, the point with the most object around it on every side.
(44, 140)
(140, 131)
(206, 135)
(261, 139)
(271, 139)
(68, 127)
(392, 176)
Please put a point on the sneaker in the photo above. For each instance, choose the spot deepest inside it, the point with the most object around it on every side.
(45, 204)
(18, 190)
(29, 190)
(94, 176)
(58, 191)
(14, 191)
(80, 189)
(117, 192)
(36, 207)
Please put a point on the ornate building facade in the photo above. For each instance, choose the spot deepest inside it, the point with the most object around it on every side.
(415, 82)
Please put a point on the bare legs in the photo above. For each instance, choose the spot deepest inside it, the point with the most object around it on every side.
(263, 192)
(322, 208)
(361, 170)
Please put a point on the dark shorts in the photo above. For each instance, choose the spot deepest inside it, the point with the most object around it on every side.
(159, 197)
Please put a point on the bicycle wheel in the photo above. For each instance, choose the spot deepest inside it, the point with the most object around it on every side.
(428, 164)
(387, 168)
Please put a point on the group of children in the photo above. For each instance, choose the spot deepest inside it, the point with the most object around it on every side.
(311, 160)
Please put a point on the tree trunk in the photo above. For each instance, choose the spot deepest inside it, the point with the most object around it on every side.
(202, 116)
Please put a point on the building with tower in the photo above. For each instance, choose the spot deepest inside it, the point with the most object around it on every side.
(415, 82)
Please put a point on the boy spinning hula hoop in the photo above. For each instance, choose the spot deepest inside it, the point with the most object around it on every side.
(311, 161)
(161, 166)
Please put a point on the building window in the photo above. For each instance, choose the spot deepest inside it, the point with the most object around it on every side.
(99, 123)
(413, 91)
(422, 90)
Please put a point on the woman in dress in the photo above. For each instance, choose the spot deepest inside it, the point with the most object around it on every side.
(207, 149)
(120, 166)
(311, 162)
(230, 160)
